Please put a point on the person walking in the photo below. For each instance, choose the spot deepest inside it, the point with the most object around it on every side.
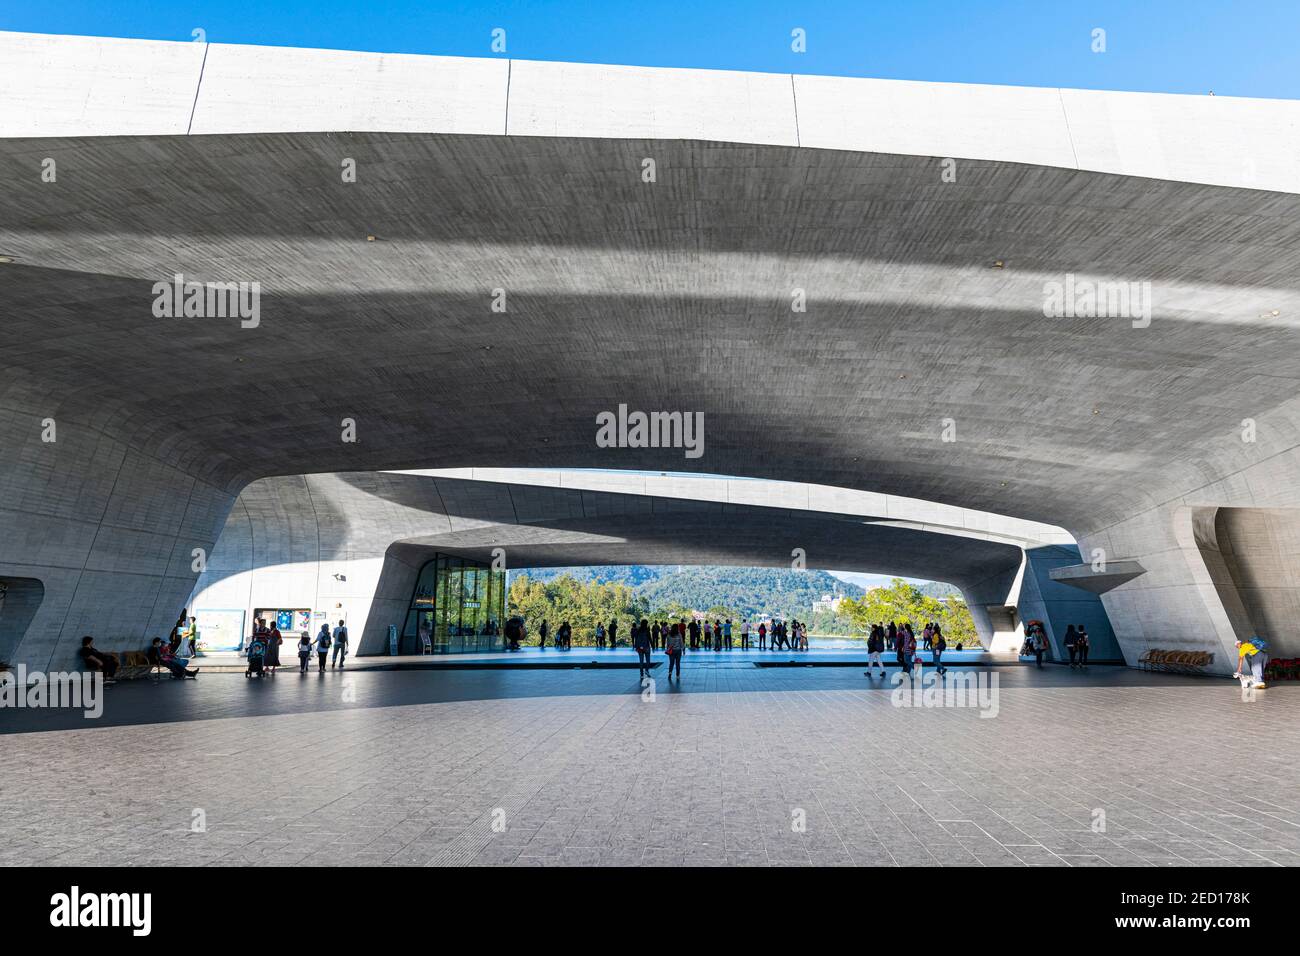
(939, 644)
(1040, 645)
(641, 641)
(875, 644)
(907, 642)
(1070, 644)
(541, 634)
(1081, 643)
(304, 652)
(323, 646)
(675, 644)
(340, 645)
(192, 637)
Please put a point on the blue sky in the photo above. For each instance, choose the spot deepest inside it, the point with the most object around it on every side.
(1237, 48)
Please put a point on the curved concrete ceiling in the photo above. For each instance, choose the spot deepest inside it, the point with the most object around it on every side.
(1076, 422)
(925, 294)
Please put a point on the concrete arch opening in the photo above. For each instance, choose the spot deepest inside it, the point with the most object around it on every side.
(20, 599)
(351, 546)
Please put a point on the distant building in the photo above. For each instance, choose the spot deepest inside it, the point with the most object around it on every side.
(829, 602)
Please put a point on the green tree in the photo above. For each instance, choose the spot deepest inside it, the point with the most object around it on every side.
(901, 601)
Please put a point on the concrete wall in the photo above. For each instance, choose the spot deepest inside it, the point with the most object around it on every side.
(1261, 548)
(1059, 605)
(106, 529)
(1198, 592)
(88, 86)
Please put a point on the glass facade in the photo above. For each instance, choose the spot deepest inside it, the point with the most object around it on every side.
(458, 607)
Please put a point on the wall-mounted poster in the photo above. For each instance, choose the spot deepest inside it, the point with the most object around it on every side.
(303, 622)
(284, 620)
(219, 630)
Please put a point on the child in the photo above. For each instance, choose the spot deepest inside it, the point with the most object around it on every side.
(304, 652)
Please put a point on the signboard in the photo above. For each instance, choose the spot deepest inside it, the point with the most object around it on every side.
(219, 630)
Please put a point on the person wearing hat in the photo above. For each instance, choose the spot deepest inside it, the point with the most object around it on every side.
(1251, 651)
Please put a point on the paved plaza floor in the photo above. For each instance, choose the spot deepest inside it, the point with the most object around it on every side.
(737, 764)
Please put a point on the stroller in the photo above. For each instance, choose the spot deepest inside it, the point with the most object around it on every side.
(256, 657)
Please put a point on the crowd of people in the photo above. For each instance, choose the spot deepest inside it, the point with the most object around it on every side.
(164, 654)
(264, 648)
(1036, 645)
(900, 639)
(676, 637)
(709, 635)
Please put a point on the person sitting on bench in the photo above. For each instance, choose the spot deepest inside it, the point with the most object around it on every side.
(161, 654)
(98, 660)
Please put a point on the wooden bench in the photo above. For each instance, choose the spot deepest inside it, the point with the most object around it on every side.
(1176, 662)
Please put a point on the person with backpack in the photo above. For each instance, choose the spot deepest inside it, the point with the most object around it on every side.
(1081, 645)
(1254, 653)
(304, 652)
(939, 644)
(323, 646)
(340, 645)
(875, 645)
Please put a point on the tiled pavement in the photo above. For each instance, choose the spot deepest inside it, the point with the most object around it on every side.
(582, 770)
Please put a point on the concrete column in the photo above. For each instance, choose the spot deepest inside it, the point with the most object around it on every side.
(106, 529)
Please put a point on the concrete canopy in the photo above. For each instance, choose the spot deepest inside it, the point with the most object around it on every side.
(925, 300)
